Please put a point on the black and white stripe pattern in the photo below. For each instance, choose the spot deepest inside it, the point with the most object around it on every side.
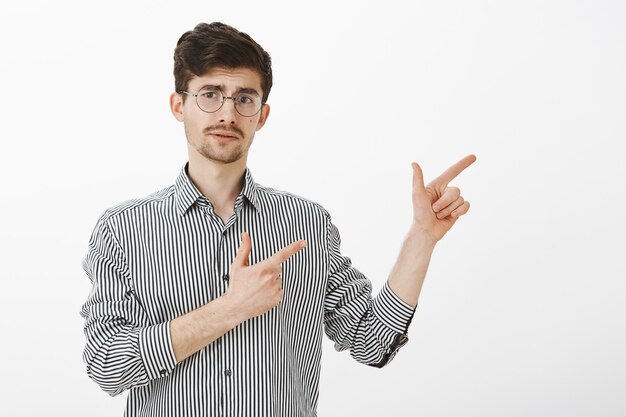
(153, 259)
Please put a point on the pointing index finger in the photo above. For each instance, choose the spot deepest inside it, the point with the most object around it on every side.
(450, 173)
(289, 250)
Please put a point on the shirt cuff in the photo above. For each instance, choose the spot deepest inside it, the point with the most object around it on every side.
(155, 348)
(392, 311)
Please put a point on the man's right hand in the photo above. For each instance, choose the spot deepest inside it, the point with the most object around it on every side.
(255, 289)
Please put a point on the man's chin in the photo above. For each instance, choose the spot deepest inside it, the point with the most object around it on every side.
(224, 159)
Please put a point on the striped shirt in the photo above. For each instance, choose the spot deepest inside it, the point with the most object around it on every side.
(153, 259)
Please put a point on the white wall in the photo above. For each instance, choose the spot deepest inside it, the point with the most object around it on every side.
(523, 311)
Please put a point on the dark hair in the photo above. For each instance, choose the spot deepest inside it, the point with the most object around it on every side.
(219, 45)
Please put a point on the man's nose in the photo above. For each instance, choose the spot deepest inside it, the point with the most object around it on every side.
(228, 113)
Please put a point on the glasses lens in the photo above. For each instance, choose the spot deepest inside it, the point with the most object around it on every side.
(248, 104)
(209, 99)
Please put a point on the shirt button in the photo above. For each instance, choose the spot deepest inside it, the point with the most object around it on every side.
(163, 372)
(225, 277)
(227, 372)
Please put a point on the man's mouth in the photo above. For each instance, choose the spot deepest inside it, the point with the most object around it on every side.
(223, 136)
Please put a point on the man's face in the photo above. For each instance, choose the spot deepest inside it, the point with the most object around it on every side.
(225, 135)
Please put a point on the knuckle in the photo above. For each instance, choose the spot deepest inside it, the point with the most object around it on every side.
(272, 271)
(265, 268)
(258, 275)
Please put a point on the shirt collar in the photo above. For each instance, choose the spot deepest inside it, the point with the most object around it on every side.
(186, 193)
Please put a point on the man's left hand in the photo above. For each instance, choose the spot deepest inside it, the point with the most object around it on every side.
(436, 207)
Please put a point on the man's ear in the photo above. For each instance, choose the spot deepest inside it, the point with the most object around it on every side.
(176, 106)
(265, 112)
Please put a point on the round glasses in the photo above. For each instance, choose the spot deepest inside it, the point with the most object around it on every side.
(211, 99)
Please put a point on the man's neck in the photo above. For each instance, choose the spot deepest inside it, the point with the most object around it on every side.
(220, 183)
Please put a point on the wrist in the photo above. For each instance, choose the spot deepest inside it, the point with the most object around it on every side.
(231, 309)
(419, 237)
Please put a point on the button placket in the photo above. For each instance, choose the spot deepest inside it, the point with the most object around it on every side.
(224, 251)
(215, 225)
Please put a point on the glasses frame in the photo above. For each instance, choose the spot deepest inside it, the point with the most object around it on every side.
(224, 98)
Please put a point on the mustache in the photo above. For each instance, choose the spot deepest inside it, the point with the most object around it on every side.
(225, 128)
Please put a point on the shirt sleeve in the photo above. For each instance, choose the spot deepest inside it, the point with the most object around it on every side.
(123, 350)
(373, 329)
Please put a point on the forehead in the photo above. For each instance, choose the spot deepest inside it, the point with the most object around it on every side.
(229, 79)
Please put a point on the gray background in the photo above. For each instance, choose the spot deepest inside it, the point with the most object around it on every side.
(523, 311)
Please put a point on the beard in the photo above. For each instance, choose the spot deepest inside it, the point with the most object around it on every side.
(226, 152)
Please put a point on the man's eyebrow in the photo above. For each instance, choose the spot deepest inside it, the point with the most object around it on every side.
(211, 87)
(248, 91)
(244, 90)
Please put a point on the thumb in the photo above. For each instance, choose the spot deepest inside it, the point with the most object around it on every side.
(418, 178)
(244, 250)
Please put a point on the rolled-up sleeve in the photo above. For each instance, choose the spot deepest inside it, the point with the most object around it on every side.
(373, 329)
(123, 349)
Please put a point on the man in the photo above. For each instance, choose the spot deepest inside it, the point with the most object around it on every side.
(210, 297)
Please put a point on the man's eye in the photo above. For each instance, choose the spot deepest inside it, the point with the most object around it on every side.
(209, 94)
(245, 100)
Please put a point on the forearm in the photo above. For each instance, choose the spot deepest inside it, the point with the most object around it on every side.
(409, 271)
(373, 329)
(202, 326)
(121, 356)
